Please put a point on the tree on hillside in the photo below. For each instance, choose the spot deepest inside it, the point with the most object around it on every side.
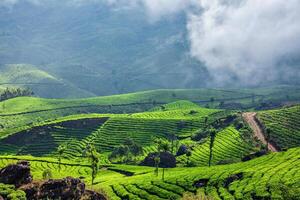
(188, 155)
(10, 93)
(172, 138)
(162, 146)
(134, 148)
(61, 150)
(157, 161)
(128, 149)
(93, 155)
(212, 133)
(205, 121)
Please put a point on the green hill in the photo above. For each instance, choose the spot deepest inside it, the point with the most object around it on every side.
(41, 82)
(19, 112)
(105, 130)
(229, 145)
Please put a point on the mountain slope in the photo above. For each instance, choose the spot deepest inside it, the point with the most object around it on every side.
(39, 81)
(101, 50)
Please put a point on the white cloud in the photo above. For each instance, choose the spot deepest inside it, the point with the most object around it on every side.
(246, 40)
(161, 8)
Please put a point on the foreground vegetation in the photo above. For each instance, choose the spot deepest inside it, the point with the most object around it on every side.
(274, 176)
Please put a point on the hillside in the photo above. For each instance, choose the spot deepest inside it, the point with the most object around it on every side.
(38, 80)
(275, 176)
(19, 112)
(284, 126)
(36, 129)
(105, 130)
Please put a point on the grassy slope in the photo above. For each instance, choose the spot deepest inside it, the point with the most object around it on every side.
(284, 124)
(36, 110)
(40, 81)
(19, 112)
(141, 127)
(228, 145)
(272, 176)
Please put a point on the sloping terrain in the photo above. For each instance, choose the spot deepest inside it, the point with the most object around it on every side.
(40, 81)
(275, 176)
(284, 125)
(21, 112)
(34, 128)
(25, 111)
(110, 131)
(229, 145)
(258, 131)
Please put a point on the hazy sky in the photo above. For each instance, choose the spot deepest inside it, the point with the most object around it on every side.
(246, 39)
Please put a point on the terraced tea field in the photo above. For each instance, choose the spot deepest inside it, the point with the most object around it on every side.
(177, 124)
(21, 113)
(275, 176)
(228, 145)
(284, 125)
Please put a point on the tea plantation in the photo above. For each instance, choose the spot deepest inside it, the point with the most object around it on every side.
(215, 151)
(284, 126)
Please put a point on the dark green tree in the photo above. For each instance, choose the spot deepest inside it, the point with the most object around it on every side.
(188, 155)
(172, 138)
(212, 133)
(61, 150)
(156, 161)
(93, 155)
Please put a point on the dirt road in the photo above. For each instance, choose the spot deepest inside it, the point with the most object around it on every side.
(249, 117)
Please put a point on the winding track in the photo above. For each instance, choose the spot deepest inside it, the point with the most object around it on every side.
(249, 117)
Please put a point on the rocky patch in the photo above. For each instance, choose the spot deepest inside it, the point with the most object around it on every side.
(66, 189)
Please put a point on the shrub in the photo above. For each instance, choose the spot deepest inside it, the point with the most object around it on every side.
(200, 134)
(9, 192)
(47, 174)
(182, 150)
(191, 196)
(167, 160)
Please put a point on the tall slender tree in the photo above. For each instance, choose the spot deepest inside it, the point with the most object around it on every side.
(93, 155)
(61, 150)
(212, 133)
(188, 155)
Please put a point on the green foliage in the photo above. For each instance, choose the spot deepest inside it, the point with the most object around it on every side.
(227, 144)
(200, 134)
(273, 176)
(212, 133)
(162, 145)
(283, 126)
(93, 155)
(10, 93)
(9, 192)
(61, 150)
(47, 174)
